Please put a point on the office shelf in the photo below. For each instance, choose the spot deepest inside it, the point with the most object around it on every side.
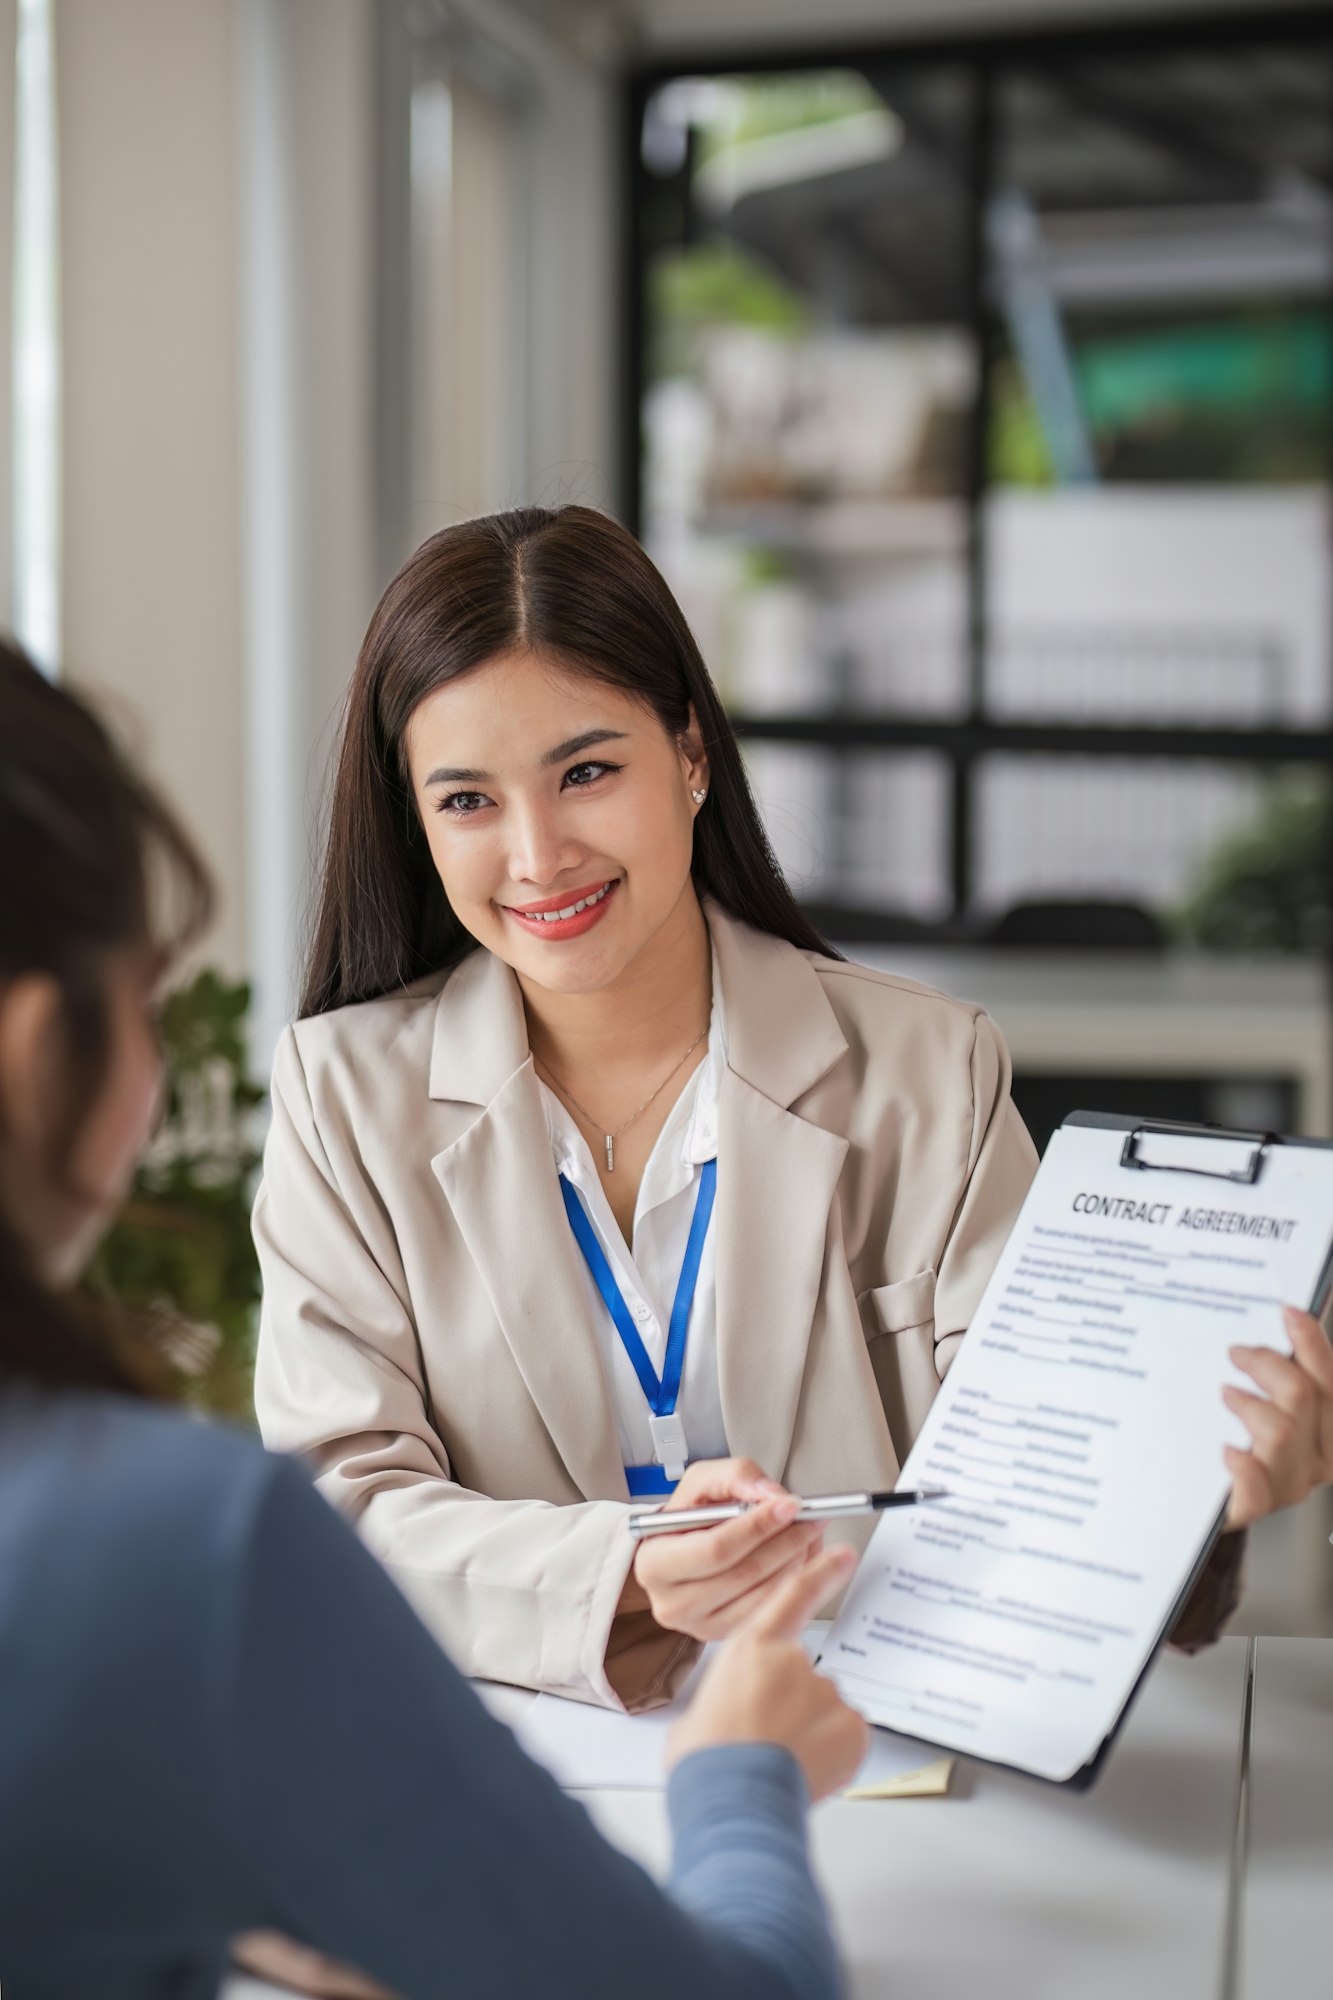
(864, 730)
(1097, 200)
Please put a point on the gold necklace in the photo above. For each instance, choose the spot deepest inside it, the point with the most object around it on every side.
(609, 1138)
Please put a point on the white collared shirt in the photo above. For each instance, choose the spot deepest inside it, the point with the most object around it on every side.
(648, 1275)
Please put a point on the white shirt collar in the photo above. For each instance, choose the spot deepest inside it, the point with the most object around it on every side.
(688, 1138)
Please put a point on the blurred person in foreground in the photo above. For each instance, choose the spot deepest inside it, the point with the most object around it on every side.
(217, 1715)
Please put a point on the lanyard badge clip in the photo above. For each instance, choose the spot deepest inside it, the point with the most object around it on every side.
(670, 1450)
(669, 1447)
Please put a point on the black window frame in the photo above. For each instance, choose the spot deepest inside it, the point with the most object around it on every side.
(967, 739)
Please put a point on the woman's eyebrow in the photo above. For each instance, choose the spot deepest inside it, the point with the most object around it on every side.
(447, 776)
(584, 742)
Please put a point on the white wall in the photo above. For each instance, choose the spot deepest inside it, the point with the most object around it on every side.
(305, 314)
(316, 551)
(218, 415)
(573, 217)
(218, 168)
(565, 293)
(146, 110)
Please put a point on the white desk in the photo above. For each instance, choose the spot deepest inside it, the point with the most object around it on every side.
(1287, 1908)
(1010, 1890)
(1114, 1013)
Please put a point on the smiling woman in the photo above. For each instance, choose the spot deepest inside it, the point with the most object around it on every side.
(565, 601)
(593, 1172)
(545, 843)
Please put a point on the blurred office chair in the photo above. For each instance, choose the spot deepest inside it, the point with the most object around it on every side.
(1082, 926)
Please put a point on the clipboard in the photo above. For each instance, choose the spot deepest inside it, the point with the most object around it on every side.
(1246, 1174)
(1260, 1144)
(1255, 1149)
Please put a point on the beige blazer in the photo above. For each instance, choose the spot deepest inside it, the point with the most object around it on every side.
(425, 1340)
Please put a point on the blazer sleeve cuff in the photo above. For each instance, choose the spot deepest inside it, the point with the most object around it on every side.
(631, 1662)
(1215, 1597)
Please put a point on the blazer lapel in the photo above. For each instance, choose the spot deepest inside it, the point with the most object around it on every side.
(775, 1185)
(777, 1178)
(501, 1185)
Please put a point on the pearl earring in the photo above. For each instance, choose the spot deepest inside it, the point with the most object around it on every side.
(699, 797)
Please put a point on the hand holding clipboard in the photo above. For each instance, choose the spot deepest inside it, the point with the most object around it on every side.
(1290, 1423)
(1086, 1443)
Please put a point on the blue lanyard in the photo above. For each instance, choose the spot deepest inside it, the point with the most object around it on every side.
(661, 1395)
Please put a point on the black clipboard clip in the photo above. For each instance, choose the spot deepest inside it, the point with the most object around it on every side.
(1246, 1176)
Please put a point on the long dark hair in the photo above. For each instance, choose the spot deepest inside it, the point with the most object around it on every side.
(575, 586)
(91, 863)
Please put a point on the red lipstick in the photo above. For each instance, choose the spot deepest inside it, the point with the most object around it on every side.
(586, 908)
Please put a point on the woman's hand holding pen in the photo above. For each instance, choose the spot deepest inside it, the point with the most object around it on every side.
(1291, 1423)
(709, 1583)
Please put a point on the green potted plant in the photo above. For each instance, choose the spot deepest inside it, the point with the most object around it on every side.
(1265, 887)
(181, 1257)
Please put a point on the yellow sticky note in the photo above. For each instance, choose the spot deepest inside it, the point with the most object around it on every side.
(930, 1782)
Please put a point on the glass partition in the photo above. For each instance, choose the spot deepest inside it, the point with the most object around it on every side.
(810, 373)
(985, 425)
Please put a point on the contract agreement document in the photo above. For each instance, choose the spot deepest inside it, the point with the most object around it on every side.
(1080, 1433)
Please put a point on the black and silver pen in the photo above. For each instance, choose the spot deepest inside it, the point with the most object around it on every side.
(647, 1521)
